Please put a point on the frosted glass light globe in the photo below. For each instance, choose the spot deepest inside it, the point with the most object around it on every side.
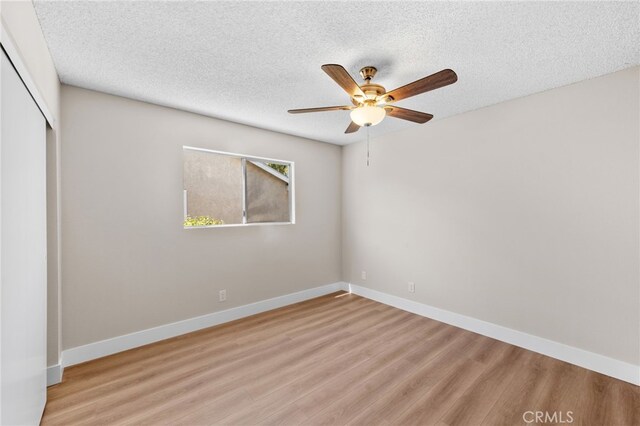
(368, 115)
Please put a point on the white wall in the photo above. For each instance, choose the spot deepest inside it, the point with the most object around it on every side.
(524, 214)
(20, 23)
(23, 244)
(19, 19)
(129, 265)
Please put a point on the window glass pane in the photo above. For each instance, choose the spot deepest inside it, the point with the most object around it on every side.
(267, 192)
(213, 188)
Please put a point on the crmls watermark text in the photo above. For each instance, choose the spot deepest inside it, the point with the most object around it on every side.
(547, 417)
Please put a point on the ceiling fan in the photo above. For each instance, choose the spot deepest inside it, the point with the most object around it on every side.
(371, 102)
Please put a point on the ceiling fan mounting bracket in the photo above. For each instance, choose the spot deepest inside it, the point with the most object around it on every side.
(368, 72)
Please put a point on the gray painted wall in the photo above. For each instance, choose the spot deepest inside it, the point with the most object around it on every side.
(524, 214)
(129, 265)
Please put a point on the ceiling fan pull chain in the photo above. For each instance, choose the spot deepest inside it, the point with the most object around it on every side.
(368, 146)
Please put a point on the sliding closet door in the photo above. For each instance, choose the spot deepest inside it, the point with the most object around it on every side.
(22, 253)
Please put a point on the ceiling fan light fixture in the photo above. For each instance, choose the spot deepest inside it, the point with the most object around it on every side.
(370, 101)
(367, 115)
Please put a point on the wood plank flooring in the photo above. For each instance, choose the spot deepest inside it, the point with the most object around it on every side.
(338, 359)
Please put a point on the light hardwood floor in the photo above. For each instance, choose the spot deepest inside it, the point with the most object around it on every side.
(337, 359)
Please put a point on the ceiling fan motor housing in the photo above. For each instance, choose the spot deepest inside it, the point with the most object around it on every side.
(373, 90)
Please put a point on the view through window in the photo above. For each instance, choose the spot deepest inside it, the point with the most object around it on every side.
(232, 189)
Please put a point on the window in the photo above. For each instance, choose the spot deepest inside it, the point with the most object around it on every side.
(224, 189)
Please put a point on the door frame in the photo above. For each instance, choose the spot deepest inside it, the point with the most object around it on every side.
(9, 46)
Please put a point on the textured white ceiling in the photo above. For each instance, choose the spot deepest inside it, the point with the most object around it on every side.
(250, 62)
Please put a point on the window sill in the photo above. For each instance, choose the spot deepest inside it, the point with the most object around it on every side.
(237, 225)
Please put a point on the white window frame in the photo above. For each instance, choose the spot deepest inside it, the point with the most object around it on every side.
(245, 158)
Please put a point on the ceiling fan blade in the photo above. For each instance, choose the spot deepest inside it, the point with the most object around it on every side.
(344, 80)
(408, 114)
(353, 127)
(432, 82)
(331, 108)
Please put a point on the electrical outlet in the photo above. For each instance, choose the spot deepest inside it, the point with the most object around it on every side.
(363, 275)
(222, 296)
(412, 287)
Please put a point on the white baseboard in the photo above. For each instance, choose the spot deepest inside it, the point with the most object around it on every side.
(589, 360)
(54, 374)
(140, 338)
